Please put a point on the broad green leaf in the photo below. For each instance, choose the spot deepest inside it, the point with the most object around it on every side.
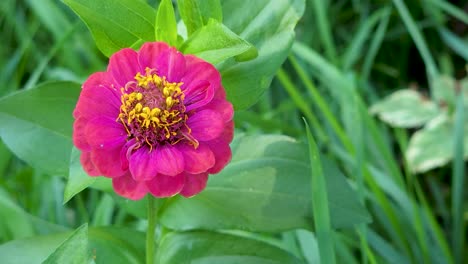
(210, 9)
(207, 248)
(264, 188)
(166, 24)
(405, 108)
(190, 14)
(446, 89)
(444, 92)
(432, 146)
(116, 24)
(106, 245)
(269, 26)
(40, 125)
(78, 179)
(216, 43)
(197, 13)
(74, 250)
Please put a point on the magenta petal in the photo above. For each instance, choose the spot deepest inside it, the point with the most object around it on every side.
(98, 98)
(200, 71)
(105, 133)
(223, 107)
(222, 153)
(168, 160)
(128, 188)
(88, 164)
(142, 164)
(125, 153)
(197, 160)
(108, 162)
(79, 134)
(149, 52)
(123, 66)
(198, 95)
(194, 184)
(166, 186)
(171, 63)
(206, 125)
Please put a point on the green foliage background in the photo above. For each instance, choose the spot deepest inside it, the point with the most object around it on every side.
(375, 174)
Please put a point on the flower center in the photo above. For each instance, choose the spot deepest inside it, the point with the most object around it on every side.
(153, 110)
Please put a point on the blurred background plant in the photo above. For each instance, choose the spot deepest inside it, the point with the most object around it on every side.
(403, 62)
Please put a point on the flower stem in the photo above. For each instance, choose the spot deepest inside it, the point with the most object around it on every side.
(150, 231)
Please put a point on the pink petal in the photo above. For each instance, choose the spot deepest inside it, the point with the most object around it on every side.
(166, 186)
(199, 70)
(194, 184)
(222, 153)
(98, 98)
(168, 160)
(206, 125)
(171, 63)
(223, 107)
(88, 164)
(198, 95)
(108, 162)
(125, 186)
(149, 52)
(79, 134)
(126, 151)
(142, 164)
(197, 160)
(123, 65)
(105, 133)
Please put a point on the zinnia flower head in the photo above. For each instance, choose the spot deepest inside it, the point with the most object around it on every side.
(156, 121)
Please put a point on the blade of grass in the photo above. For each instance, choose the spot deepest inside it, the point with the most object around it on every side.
(321, 103)
(321, 211)
(458, 45)
(418, 39)
(32, 81)
(376, 43)
(325, 34)
(301, 103)
(354, 50)
(451, 9)
(458, 183)
(433, 225)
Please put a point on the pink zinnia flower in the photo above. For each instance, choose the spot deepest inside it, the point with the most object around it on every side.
(156, 121)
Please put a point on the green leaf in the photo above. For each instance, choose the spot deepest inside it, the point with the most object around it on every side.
(40, 125)
(207, 247)
(197, 13)
(446, 90)
(265, 188)
(432, 146)
(78, 179)
(73, 250)
(166, 24)
(269, 26)
(116, 24)
(216, 43)
(190, 14)
(405, 108)
(106, 245)
(210, 9)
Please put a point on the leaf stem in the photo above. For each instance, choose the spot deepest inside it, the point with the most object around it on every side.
(150, 231)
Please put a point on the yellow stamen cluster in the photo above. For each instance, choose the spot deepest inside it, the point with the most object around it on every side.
(135, 105)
